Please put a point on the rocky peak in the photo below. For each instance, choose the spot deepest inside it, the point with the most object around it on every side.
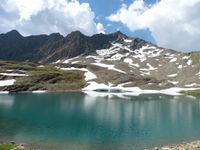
(55, 35)
(13, 33)
(75, 35)
(138, 43)
(49, 48)
(119, 34)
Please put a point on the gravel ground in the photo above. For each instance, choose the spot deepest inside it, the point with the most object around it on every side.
(195, 145)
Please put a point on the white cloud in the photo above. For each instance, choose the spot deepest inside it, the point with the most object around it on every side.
(173, 23)
(47, 16)
(100, 28)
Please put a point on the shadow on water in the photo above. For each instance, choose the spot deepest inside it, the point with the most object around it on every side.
(82, 121)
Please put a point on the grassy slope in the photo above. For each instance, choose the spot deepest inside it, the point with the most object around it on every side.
(51, 79)
(7, 146)
(196, 60)
(195, 57)
(11, 65)
(45, 78)
(193, 93)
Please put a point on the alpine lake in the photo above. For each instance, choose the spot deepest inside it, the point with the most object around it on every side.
(81, 121)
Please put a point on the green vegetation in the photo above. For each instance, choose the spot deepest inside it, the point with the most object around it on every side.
(4, 65)
(193, 93)
(195, 58)
(72, 65)
(51, 79)
(43, 78)
(7, 146)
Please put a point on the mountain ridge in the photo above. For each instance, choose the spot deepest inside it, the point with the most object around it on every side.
(103, 60)
(46, 48)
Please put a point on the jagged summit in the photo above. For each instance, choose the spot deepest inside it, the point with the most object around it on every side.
(119, 34)
(49, 48)
(75, 34)
(9, 36)
(13, 33)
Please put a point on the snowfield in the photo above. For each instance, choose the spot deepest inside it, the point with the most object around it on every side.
(13, 74)
(7, 82)
(172, 75)
(173, 60)
(94, 87)
(39, 91)
(109, 67)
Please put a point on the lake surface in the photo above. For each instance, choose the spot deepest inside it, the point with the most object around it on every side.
(77, 121)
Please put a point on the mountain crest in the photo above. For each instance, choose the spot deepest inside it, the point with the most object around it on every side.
(111, 59)
(119, 34)
(13, 32)
(48, 48)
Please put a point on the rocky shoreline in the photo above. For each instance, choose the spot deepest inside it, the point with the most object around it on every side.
(194, 145)
(13, 146)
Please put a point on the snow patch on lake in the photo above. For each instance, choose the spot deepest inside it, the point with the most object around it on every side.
(4, 92)
(94, 87)
(39, 91)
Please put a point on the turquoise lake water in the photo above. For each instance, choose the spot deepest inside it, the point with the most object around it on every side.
(77, 121)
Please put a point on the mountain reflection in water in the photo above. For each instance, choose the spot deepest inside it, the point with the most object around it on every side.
(82, 121)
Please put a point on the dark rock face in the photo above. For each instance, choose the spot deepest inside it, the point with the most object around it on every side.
(13, 46)
(137, 43)
(76, 44)
(49, 48)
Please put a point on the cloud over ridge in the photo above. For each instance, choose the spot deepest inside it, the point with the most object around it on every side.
(47, 16)
(173, 23)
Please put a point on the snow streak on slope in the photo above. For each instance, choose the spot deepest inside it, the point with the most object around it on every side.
(158, 67)
(109, 67)
(7, 82)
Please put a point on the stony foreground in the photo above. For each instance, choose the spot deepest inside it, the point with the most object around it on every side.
(13, 146)
(195, 145)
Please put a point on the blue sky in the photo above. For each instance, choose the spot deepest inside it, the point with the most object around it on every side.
(168, 23)
(104, 8)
